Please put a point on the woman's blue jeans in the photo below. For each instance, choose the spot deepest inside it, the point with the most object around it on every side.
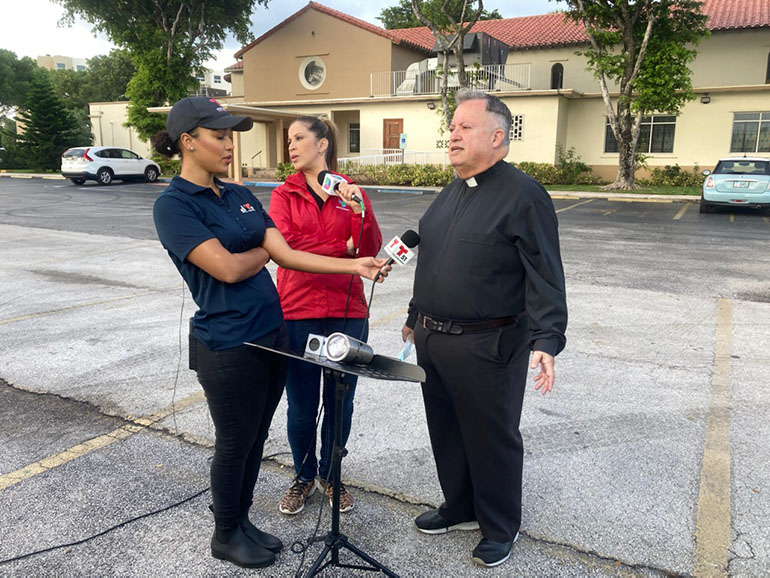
(303, 393)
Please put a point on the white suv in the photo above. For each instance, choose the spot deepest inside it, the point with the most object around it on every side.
(104, 164)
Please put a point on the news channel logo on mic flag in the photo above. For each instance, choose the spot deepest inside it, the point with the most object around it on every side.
(331, 182)
(398, 251)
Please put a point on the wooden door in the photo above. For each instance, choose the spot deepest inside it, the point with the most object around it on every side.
(391, 132)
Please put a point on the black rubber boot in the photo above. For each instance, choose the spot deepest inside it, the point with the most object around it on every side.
(256, 535)
(234, 546)
(260, 538)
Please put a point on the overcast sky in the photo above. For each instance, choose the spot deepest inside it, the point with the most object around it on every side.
(29, 28)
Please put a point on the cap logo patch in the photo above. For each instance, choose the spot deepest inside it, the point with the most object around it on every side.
(219, 106)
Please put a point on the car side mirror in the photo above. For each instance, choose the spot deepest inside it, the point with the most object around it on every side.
(706, 173)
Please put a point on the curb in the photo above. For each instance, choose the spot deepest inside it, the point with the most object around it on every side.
(636, 197)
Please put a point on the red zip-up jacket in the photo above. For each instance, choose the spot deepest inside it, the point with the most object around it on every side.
(323, 232)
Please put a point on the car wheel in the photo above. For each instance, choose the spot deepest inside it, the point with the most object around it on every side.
(78, 181)
(704, 206)
(104, 176)
(151, 174)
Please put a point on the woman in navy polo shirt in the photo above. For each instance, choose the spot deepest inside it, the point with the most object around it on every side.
(220, 239)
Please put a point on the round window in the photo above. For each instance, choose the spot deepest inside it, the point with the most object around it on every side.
(312, 72)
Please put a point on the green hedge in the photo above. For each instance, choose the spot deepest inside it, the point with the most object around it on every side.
(673, 176)
(404, 175)
(168, 167)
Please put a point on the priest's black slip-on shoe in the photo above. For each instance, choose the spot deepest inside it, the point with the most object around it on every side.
(431, 522)
(489, 553)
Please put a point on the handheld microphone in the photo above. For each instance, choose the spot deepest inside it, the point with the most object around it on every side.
(399, 250)
(330, 183)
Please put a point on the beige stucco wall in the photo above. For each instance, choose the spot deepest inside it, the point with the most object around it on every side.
(349, 53)
(702, 136)
(541, 127)
(734, 58)
(575, 75)
(236, 83)
(107, 120)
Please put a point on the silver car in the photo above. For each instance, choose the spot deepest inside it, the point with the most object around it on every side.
(105, 164)
(741, 181)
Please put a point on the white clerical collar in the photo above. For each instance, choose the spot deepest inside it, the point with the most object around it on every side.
(471, 182)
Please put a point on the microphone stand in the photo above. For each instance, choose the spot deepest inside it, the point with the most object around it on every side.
(381, 367)
(334, 541)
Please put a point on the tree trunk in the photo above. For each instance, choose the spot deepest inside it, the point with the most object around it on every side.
(445, 91)
(624, 135)
(462, 79)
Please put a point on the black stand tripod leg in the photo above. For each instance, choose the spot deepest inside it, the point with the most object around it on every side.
(334, 540)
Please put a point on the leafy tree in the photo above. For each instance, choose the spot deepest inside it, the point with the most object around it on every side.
(644, 47)
(449, 31)
(9, 156)
(48, 127)
(16, 77)
(168, 41)
(402, 15)
(109, 75)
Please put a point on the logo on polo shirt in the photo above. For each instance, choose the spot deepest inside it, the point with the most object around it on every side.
(247, 208)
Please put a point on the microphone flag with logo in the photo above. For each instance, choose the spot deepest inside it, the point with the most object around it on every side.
(330, 183)
(399, 250)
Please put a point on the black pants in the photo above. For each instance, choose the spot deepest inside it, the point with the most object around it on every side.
(473, 395)
(243, 386)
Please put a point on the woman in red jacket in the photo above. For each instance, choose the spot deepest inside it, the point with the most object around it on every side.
(313, 221)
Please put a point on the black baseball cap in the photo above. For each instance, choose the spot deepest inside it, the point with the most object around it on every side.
(195, 111)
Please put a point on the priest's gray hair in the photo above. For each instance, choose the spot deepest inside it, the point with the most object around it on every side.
(497, 107)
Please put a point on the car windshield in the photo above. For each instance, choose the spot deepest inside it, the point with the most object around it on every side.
(743, 167)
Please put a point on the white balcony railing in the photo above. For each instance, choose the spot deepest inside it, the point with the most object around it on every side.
(412, 82)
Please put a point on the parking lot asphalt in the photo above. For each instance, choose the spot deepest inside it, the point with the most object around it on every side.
(649, 458)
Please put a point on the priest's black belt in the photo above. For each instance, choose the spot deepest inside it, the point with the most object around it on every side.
(458, 327)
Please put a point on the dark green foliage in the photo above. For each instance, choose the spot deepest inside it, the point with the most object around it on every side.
(568, 170)
(10, 156)
(673, 176)
(16, 76)
(109, 75)
(168, 167)
(48, 127)
(168, 41)
(283, 170)
(404, 175)
(402, 15)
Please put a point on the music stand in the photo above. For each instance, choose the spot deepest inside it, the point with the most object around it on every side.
(381, 367)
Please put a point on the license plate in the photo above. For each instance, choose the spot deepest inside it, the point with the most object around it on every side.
(740, 184)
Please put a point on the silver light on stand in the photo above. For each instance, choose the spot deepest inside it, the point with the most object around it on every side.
(346, 349)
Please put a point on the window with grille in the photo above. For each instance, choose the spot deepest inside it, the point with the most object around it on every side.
(751, 132)
(517, 127)
(656, 135)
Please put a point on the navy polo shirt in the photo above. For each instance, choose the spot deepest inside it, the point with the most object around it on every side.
(185, 216)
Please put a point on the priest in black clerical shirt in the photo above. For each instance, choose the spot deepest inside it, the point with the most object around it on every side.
(488, 295)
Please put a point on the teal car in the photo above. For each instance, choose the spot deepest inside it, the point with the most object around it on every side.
(741, 181)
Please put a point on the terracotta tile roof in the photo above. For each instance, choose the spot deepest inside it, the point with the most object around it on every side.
(737, 14)
(235, 66)
(542, 31)
(552, 29)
